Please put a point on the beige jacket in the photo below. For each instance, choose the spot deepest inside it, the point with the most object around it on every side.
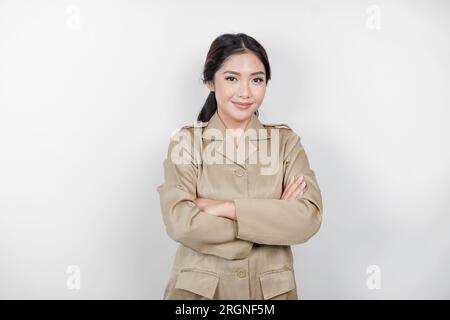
(251, 258)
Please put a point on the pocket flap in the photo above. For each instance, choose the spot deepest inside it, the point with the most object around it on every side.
(203, 283)
(276, 282)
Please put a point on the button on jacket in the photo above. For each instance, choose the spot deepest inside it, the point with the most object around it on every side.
(250, 258)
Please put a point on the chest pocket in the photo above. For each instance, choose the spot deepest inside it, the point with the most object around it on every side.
(277, 282)
(198, 282)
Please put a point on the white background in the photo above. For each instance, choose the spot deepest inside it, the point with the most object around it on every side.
(90, 92)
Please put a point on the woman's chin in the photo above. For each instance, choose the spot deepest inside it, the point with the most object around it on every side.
(242, 116)
(243, 113)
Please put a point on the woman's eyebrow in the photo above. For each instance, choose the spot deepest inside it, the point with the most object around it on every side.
(237, 73)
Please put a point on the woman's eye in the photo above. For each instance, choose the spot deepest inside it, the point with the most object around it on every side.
(257, 80)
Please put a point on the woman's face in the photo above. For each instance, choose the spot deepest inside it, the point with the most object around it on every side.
(240, 79)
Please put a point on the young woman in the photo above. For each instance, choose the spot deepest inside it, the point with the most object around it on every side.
(234, 209)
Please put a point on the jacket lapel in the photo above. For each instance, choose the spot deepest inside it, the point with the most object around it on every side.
(223, 143)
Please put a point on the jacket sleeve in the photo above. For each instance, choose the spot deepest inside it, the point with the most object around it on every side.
(185, 222)
(283, 222)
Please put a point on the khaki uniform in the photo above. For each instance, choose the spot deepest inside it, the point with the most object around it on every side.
(250, 258)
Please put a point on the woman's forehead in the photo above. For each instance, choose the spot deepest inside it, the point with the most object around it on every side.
(242, 63)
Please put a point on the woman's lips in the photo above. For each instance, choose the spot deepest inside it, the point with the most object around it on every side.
(242, 105)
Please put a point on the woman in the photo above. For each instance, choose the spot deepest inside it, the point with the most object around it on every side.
(235, 218)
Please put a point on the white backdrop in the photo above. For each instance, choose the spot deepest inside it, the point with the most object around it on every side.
(90, 92)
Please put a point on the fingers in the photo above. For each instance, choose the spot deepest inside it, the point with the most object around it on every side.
(299, 189)
(289, 188)
(204, 203)
(200, 202)
(299, 192)
(294, 188)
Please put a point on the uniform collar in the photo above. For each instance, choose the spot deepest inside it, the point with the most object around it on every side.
(215, 132)
(216, 123)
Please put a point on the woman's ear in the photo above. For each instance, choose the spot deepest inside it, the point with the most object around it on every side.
(210, 85)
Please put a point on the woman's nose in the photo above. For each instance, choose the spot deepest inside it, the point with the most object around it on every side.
(244, 91)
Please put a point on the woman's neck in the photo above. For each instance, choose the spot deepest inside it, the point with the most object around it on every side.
(231, 124)
(237, 128)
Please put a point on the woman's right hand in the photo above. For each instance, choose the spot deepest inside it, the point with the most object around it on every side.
(294, 189)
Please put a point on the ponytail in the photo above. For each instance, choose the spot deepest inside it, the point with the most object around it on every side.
(209, 108)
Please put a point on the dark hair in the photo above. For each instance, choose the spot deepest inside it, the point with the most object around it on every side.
(221, 48)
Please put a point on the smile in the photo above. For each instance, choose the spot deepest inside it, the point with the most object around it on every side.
(242, 105)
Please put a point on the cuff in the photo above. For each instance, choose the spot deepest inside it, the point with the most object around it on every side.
(244, 219)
